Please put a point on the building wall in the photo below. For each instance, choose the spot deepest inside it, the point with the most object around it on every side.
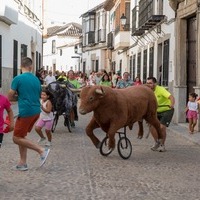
(63, 62)
(185, 10)
(26, 31)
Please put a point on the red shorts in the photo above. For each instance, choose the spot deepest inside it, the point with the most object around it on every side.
(24, 125)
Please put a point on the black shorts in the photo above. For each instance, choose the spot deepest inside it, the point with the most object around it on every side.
(165, 117)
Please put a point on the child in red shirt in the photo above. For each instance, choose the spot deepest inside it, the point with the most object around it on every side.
(5, 105)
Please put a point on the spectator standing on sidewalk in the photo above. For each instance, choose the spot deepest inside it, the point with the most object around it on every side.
(192, 110)
(165, 112)
(5, 105)
(28, 88)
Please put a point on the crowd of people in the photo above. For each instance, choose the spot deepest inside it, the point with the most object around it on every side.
(102, 77)
(36, 108)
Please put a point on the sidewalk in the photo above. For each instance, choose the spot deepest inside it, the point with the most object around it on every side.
(181, 129)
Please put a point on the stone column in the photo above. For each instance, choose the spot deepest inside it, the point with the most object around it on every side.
(180, 104)
(180, 88)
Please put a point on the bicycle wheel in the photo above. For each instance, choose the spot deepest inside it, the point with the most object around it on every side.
(67, 123)
(124, 147)
(55, 121)
(104, 149)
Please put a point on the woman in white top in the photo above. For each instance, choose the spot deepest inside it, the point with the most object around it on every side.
(46, 118)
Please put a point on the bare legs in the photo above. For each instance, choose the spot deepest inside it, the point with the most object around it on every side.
(25, 144)
(192, 124)
(155, 135)
(40, 133)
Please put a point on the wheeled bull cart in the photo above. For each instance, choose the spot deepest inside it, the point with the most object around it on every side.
(124, 146)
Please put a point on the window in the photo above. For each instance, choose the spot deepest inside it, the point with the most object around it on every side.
(127, 14)
(120, 66)
(15, 57)
(139, 64)
(89, 23)
(151, 61)
(134, 19)
(160, 7)
(145, 11)
(53, 46)
(97, 66)
(37, 61)
(89, 29)
(145, 66)
(134, 66)
(23, 51)
(165, 63)
(60, 52)
(131, 68)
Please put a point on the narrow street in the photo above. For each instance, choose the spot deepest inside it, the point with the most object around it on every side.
(75, 170)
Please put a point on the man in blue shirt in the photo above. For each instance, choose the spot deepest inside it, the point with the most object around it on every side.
(27, 87)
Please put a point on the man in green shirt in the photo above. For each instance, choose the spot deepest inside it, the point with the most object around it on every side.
(165, 112)
(74, 82)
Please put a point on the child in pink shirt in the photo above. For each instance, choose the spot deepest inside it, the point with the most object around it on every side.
(5, 105)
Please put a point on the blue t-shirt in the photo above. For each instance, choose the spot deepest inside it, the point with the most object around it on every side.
(28, 89)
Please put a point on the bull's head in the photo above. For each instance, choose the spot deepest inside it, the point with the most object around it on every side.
(90, 98)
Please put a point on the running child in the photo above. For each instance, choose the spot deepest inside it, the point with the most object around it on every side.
(46, 118)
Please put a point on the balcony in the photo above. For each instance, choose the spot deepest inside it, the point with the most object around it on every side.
(122, 40)
(147, 18)
(8, 12)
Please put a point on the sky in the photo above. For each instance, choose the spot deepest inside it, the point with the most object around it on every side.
(59, 11)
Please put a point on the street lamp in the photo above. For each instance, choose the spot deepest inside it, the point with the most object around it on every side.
(123, 20)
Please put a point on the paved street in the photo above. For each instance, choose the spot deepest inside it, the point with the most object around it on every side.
(75, 170)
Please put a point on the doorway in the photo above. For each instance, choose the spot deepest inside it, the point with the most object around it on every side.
(191, 54)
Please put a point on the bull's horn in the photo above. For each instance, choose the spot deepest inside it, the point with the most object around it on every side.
(99, 91)
(75, 90)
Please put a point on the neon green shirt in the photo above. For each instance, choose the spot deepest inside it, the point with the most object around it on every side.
(105, 83)
(162, 96)
(75, 83)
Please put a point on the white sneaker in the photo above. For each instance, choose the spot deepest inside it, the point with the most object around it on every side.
(155, 146)
(48, 144)
(44, 157)
(41, 140)
(161, 148)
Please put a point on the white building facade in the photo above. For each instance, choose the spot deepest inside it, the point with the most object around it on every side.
(59, 48)
(20, 36)
(95, 55)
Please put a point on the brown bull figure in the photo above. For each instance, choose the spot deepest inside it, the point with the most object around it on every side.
(114, 109)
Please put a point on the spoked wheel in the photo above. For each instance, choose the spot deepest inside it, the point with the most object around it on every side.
(55, 121)
(67, 123)
(124, 147)
(104, 149)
